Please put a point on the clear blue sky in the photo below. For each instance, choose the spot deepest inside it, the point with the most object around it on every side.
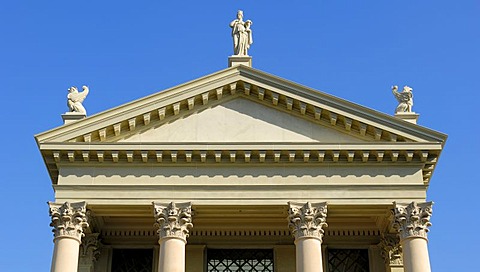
(125, 50)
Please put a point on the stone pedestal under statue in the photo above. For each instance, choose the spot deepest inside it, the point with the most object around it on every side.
(239, 60)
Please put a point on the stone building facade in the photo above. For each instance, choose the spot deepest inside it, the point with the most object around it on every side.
(240, 170)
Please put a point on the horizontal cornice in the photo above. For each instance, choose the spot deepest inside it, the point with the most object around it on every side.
(241, 146)
(57, 154)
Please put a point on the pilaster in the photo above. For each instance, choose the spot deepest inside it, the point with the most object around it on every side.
(391, 252)
(89, 252)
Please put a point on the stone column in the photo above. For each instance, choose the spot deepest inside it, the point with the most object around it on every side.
(412, 222)
(68, 222)
(89, 252)
(306, 222)
(391, 252)
(174, 222)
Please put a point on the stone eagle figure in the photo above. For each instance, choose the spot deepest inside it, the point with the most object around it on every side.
(404, 98)
(75, 99)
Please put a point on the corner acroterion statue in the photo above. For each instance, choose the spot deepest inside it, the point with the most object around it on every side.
(241, 34)
(75, 99)
(404, 98)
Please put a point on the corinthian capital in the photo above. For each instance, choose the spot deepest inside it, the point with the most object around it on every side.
(307, 220)
(68, 219)
(391, 249)
(173, 220)
(412, 220)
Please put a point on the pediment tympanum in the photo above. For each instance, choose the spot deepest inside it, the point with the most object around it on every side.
(240, 120)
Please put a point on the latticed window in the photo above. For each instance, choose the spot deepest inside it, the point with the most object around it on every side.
(348, 260)
(132, 260)
(241, 260)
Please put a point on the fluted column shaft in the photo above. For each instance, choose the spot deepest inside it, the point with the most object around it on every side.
(174, 222)
(68, 222)
(412, 221)
(306, 222)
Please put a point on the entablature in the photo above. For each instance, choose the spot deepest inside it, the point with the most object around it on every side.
(215, 224)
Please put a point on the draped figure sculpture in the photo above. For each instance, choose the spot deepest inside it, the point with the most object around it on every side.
(75, 99)
(241, 34)
(404, 98)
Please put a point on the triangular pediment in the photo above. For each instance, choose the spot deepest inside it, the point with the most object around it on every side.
(192, 99)
(243, 121)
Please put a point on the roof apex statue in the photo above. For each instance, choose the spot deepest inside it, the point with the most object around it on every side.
(242, 39)
(241, 34)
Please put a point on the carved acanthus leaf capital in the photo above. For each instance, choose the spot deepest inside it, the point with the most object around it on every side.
(412, 220)
(68, 219)
(307, 219)
(89, 249)
(391, 249)
(173, 219)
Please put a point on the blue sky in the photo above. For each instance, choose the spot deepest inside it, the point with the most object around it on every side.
(125, 50)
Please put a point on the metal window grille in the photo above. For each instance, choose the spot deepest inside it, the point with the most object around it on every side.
(239, 260)
(132, 260)
(348, 260)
